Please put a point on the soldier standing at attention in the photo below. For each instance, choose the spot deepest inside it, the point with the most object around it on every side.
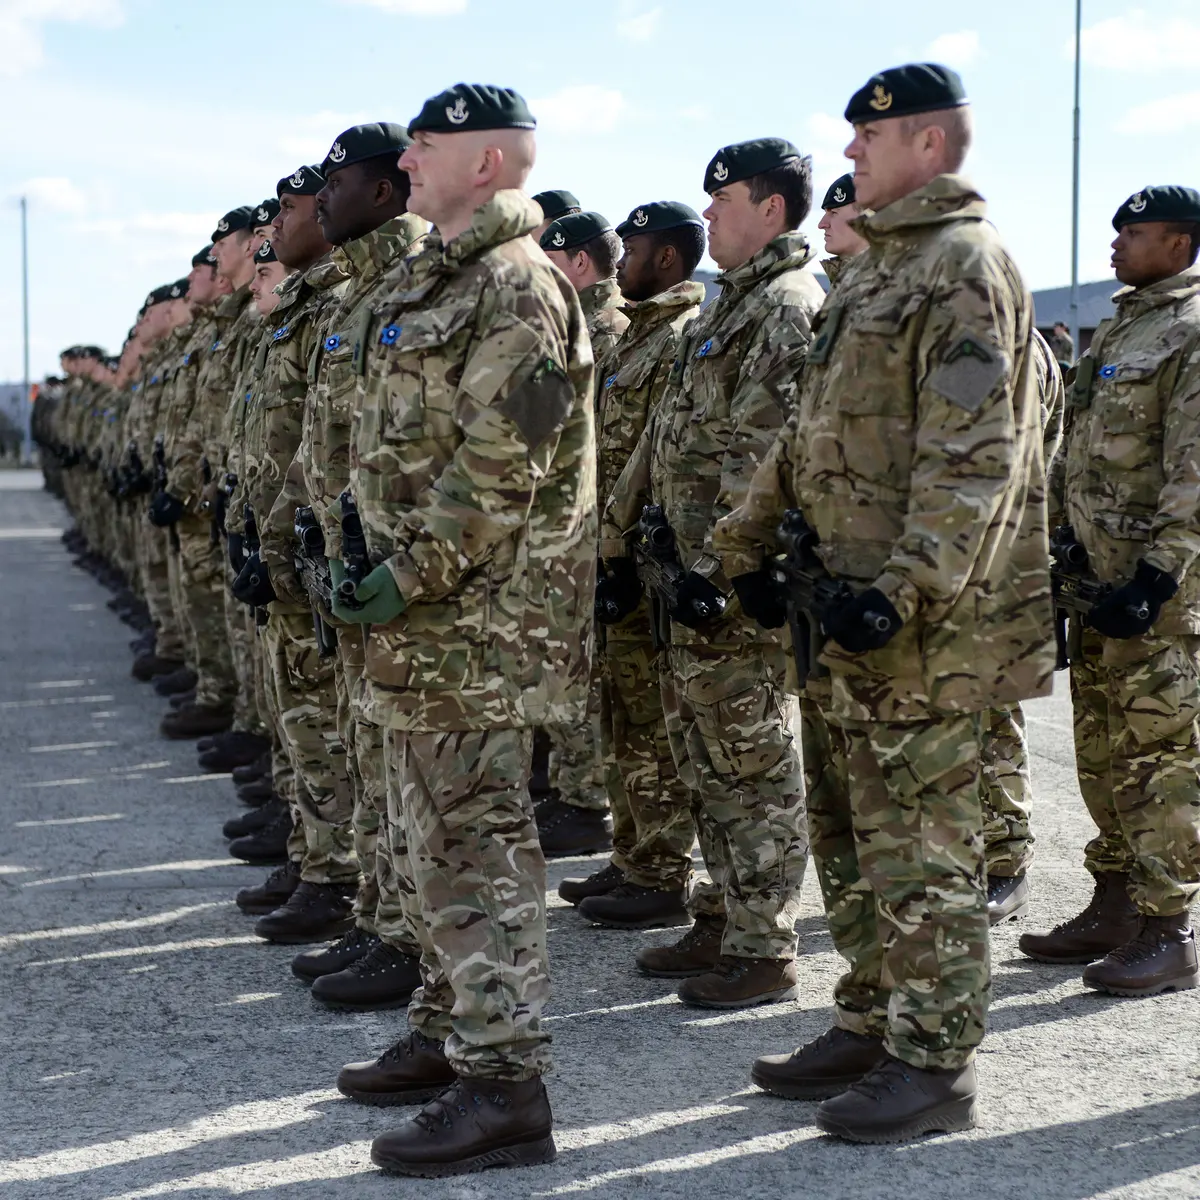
(1062, 344)
(557, 202)
(842, 240)
(646, 882)
(732, 384)
(916, 456)
(1128, 484)
(475, 476)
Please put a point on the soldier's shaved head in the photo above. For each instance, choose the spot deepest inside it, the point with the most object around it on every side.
(957, 129)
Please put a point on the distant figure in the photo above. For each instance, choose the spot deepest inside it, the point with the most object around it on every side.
(1063, 344)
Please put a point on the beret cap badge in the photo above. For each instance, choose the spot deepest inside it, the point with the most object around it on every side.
(337, 152)
(640, 218)
(459, 113)
(839, 194)
(223, 225)
(1137, 203)
(558, 238)
(297, 180)
(260, 213)
(881, 101)
(720, 171)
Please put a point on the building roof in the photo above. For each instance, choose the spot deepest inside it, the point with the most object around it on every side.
(1095, 303)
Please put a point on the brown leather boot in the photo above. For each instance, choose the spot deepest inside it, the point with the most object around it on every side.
(741, 983)
(696, 952)
(412, 1071)
(821, 1068)
(474, 1124)
(1110, 920)
(895, 1102)
(1161, 957)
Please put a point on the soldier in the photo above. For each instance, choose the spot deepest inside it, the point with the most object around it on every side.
(557, 202)
(361, 210)
(731, 385)
(1062, 344)
(915, 454)
(646, 881)
(842, 240)
(475, 476)
(1127, 485)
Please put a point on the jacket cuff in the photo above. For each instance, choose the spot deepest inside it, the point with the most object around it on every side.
(904, 597)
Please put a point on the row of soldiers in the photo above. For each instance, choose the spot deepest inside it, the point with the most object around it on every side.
(392, 488)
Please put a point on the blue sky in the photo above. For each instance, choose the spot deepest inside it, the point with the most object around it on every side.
(133, 124)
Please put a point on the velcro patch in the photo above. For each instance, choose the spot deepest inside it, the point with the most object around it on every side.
(541, 403)
(969, 372)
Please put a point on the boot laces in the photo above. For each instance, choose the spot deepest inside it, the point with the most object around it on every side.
(731, 967)
(380, 957)
(406, 1047)
(453, 1102)
(349, 940)
(886, 1077)
(1148, 940)
(697, 935)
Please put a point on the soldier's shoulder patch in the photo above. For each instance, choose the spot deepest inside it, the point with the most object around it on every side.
(969, 371)
(540, 403)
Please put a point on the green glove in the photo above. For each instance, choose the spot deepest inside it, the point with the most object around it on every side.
(379, 596)
(337, 571)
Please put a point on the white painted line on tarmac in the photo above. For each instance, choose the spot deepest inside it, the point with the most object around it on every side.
(44, 783)
(62, 683)
(56, 700)
(207, 777)
(147, 922)
(189, 864)
(140, 951)
(69, 821)
(62, 746)
(14, 533)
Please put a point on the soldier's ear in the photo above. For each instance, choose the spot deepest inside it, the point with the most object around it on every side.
(667, 254)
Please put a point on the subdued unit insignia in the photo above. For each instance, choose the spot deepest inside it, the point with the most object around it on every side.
(541, 404)
(720, 172)
(459, 113)
(968, 373)
(825, 331)
(1137, 203)
(882, 100)
(337, 152)
(640, 217)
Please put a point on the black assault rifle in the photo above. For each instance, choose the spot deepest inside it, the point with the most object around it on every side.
(355, 556)
(312, 567)
(252, 545)
(160, 481)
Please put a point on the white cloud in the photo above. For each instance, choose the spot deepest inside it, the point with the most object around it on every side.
(827, 137)
(21, 24)
(955, 49)
(53, 193)
(635, 25)
(307, 139)
(586, 108)
(415, 8)
(1134, 42)
(1168, 115)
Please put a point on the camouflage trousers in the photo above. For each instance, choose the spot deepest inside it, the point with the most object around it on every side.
(653, 831)
(304, 692)
(480, 881)
(154, 573)
(250, 669)
(897, 839)
(1137, 747)
(576, 766)
(201, 611)
(730, 727)
(1007, 792)
(386, 901)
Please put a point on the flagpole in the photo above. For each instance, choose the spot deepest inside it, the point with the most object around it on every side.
(1075, 187)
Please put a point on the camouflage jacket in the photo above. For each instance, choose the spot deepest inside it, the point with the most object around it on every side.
(1128, 478)
(154, 391)
(732, 385)
(604, 315)
(320, 470)
(197, 338)
(474, 470)
(916, 456)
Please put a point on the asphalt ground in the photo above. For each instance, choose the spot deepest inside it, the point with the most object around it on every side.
(150, 1045)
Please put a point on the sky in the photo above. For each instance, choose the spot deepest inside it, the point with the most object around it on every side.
(132, 125)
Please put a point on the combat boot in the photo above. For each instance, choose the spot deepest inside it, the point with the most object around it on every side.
(412, 1071)
(256, 770)
(182, 679)
(1007, 897)
(741, 983)
(267, 845)
(695, 953)
(1161, 957)
(182, 700)
(147, 665)
(598, 883)
(474, 1124)
(895, 1102)
(254, 820)
(272, 892)
(820, 1068)
(237, 748)
(337, 956)
(385, 977)
(1110, 920)
(196, 721)
(257, 791)
(564, 829)
(314, 912)
(632, 906)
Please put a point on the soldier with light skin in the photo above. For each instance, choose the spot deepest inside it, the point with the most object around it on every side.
(554, 204)
(269, 273)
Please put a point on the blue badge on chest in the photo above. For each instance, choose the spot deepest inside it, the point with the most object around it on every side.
(703, 351)
(216, 345)
(154, 378)
(187, 359)
(1108, 372)
(249, 393)
(610, 381)
(280, 333)
(333, 342)
(389, 334)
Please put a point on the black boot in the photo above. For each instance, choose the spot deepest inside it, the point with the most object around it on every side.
(196, 720)
(337, 956)
(632, 906)
(1110, 920)
(254, 820)
(272, 892)
(257, 791)
(598, 883)
(237, 748)
(1161, 957)
(385, 977)
(314, 912)
(268, 845)
(474, 1124)
(253, 771)
(182, 679)
(412, 1071)
(564, 829)
(821, 1068)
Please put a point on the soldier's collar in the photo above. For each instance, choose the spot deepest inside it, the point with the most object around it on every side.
(1165, 291)
(602, 294)
(784, 253)
(944, 199)
(509, 214)
(373, 253)
(661, 307)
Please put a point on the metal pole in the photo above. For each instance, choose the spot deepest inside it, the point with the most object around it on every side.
(26, 408)
(1075, 188)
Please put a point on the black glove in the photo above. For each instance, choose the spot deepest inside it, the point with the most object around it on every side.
(618, 591)
(165, 509)
(762, 599)
(253, 584)
(699, 602)
(1132, 609)
(236, 547)
(868, 622)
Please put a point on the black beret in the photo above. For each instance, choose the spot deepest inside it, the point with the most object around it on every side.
(904, 91)
(575, 229)
(360, 142)
(744, 160)
(265, 253)
(303, 181)
(841, 193)
(88, 352)
(556, 203)
(70, 352)
(233, 220)
(204, 258)
(467, 107)
(160, 295)
(658, 215)
(179, 289)
(1164, 202)
(265, 212)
